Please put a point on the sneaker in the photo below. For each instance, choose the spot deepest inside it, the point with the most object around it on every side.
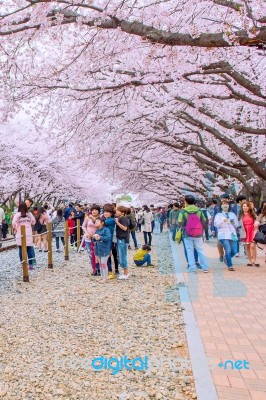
(205, 271)
(123, 276)
(40, 250)
(117, 272)
(191, 270)
(237, 255)
(57, 250)
(46, 251)
(198, 265)
(129, 247)
(98, 273)
(31, 267)
(221, 259)
(94, 273)
(151, 265)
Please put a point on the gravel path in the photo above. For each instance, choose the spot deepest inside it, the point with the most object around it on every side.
(52, 327)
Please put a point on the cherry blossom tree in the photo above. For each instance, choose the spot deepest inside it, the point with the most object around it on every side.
(153, 94)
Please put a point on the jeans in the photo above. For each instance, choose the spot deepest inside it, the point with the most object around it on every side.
(207, 233)
(133, 234)
(195, 253)
(146, 234)
(147, 259)
(122, 252)
(152, 226)
(57, 241)
(139, 227)
(0, 235)
(30, 254)
(72, 239)
(109, 261)
(156, 227)
(4, 230)
(90, 249)
(192, 243)
(173, 229)
(230, 249)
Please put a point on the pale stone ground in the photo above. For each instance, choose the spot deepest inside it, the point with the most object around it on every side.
(66, 313)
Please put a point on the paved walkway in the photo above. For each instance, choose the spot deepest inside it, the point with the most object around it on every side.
(230, 310)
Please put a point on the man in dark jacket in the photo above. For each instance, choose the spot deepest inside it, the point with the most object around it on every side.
(68, 210)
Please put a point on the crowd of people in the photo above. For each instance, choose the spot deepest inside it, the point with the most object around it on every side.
(106, 231)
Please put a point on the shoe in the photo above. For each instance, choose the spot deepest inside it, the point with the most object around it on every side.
(237, 255)
(117, 272)
(111, 275)
(94, 273)
(249, 265)
(98, 273)
(57, 250)
(221, 259)
(151, 265)
(40, 250)
(46, 251)
(31, 267)
(231, 269)
(256, 265)
(198, 265)
(129, 247)
(124, 276)
(136, 248)
(205, 271)
(191, 270)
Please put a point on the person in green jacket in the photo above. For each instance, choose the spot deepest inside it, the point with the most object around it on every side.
(192, 220)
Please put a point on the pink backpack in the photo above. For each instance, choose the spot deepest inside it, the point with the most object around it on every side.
(194, 226)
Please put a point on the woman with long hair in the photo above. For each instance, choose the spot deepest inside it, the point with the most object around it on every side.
(24, 217)
(147, 227)
(226, 223)
(41, 220)
(59, 228)
(249, 223)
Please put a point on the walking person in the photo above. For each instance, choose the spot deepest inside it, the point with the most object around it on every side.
(24, 217)
(157, 216)
(59, 229)
(132, 227)
(122, 233)
(192, 220)
(147, 227)
(249, 224)
(173, 219)
(139, 218)
(226, 223)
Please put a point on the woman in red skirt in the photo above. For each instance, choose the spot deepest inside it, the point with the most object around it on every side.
(250, 223)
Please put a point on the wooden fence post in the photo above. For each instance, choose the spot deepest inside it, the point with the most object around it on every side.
(49, 239)
(66, 241)
(78, 233)
(24, 254)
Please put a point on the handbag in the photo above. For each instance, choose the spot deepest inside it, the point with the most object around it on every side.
(260, 238)
(178, 236)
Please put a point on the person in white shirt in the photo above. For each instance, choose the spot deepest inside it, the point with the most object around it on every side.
(226, 223)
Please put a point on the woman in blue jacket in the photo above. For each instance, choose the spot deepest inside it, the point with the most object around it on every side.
(103, 240)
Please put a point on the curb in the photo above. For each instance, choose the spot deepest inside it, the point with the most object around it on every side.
(205, 387)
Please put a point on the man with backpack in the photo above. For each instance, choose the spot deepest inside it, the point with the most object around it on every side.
(192, 220)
